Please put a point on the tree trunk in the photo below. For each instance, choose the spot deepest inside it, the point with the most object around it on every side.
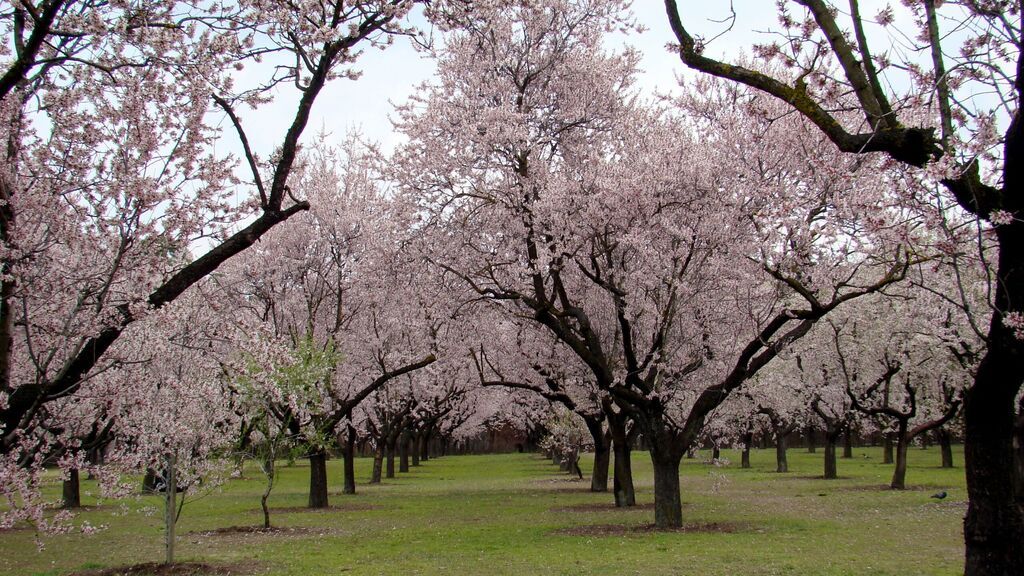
(945, 447)
(848, 444)
(602, 455)
(666, 455)
(389, 455)
(403, 453)
(170, 508)
(716, 453)
(622, 483)
(887, 449)
(748, 439)
(899, 475)
(810, 440)
(994, 526)
(831, 470)
(268, 470)
(71, 491)
(318, 478)
(378, 464)
(425, 445)
(781, 465)
(349, 455)
(599, 475)
(414, 448)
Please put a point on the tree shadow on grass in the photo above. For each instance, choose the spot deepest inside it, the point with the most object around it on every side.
(637, 530)
(176, 569)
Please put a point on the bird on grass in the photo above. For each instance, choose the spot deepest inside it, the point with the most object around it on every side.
(939, 495)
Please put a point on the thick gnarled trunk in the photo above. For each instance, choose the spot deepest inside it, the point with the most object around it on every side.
(666, 453)
(994, 525)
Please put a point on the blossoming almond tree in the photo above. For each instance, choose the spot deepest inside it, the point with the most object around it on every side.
(964, 67)
(663, 261)
(333, 293)
(111, 177)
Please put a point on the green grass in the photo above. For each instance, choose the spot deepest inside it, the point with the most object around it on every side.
(506, 514)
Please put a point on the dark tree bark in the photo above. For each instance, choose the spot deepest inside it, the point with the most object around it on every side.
(403, 452)
(389, 455)
(71, 491)
(835, 424)
(349, 455)
(781, 464)
(945, 447)
(378, 463)
(318, 478)
(848, 443)
(414, 448)
(424, 447)
(602, 454)
(831, 469)
(666, 453)
(781, 429)
(810, 440)
(622, 483)
(899, 475)
(887, 449)
(748, 439)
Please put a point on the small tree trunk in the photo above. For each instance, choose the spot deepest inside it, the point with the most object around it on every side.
(946, 447)
(425, 446)
(170, 508)
(414, 448)
(268, 470)
(349, 455)
(318, 478)
(848, 443)
(389, 454)
(71, 491)
(378, 464)
(781, 465)
(748, 439)
(716, 453)
(811, 447)
(403, 453)
(887, 450)
(622, 483)
(602, 455)
(899, 476)
(599, 475)
(831, 470)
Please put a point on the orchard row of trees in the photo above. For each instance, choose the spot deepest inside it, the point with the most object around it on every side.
(815, 230)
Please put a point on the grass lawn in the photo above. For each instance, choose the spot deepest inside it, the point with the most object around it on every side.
(516, 514)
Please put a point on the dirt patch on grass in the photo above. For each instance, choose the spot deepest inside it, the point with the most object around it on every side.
(602, 507)
(620, 530)
(272, 531)
(177, 569)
